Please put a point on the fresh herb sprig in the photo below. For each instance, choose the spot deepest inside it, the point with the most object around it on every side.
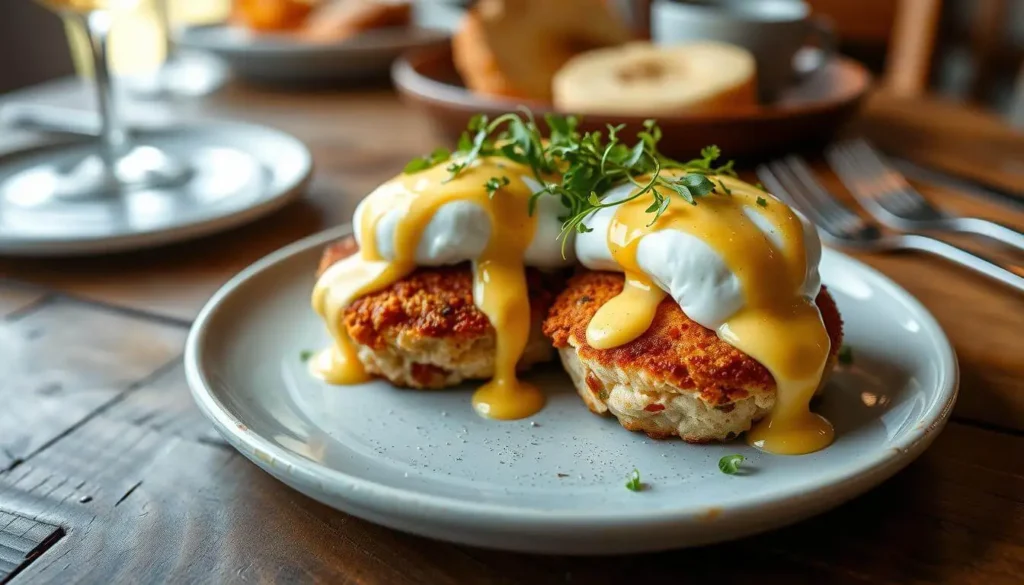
(633, 481)
(730, 464)
(578, 167)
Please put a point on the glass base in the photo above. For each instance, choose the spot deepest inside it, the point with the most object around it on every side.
(175, 179)
(92, 176)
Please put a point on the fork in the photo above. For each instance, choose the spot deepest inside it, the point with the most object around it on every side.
(890, 199)
(792, 180)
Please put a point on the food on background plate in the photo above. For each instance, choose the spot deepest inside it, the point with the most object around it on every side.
(699, 310)
(271, 15)
(648, 80)
(341, 20)
(321, 21)
(513, 48)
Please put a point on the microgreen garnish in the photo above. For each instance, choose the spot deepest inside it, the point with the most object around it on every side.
(633, 483)
(845, 355)
(305, 354)
(730, 464)
(762, 201)
(425, 162)
(578, 167)
(494, 183)
(725, 189)
(761, 187)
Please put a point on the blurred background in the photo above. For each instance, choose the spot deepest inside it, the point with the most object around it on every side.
(970, 51)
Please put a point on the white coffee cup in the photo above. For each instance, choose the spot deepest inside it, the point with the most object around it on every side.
(772, 30)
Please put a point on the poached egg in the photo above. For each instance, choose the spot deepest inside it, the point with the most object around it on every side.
(740, 263)
(431, 218)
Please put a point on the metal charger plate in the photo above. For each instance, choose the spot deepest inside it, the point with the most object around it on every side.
(239, 172)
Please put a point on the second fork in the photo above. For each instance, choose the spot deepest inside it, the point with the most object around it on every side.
(791, 179)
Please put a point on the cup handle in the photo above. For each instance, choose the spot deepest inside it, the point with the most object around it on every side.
(822, 34)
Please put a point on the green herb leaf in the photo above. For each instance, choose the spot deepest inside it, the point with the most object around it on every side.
(660, 210)
(416, 165)
(845, 355)
(762, 201)
(633, 483)
(305, 354)
(699, 185)
(710, 153)
(725, 189)
(454, 169)
(494, 183)
(425, 162)
(730, 464)
(465, 142)
(635, 155)
(477, 122)
(761, 187)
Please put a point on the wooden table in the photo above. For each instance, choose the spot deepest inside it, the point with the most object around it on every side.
(109, 474)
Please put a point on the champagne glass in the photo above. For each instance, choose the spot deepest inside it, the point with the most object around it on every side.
(113, 188)
(181, 74)
(116, 164)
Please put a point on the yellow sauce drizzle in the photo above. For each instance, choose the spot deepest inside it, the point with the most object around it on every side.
(777, 326)
(499, 279)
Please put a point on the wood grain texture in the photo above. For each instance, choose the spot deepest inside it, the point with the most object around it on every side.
(22, 540)
(64, 360)
(164, 404)
(15, 297)
(959, 140)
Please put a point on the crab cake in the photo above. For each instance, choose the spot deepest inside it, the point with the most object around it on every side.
(424, 331)
(678, 378)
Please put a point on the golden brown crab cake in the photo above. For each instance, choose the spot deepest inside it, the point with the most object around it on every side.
(424, 331)
(678, 378)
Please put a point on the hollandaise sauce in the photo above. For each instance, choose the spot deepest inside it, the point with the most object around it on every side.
(778, 326)
(499, 288)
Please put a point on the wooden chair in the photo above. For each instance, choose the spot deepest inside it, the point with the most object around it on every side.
(916, 34)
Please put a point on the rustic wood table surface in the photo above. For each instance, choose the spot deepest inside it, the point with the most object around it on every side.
(108, 473)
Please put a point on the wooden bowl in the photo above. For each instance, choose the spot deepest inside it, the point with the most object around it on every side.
(807, 114)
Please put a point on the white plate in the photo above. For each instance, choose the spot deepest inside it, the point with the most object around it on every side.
(280, 58)
(423, 462)
(240, 172)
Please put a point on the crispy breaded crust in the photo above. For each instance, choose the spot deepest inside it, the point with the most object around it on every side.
(677, 379)
(675, 348)
(425, 331)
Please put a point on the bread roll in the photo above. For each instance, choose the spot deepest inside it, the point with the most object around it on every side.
(513, 48)
(648, 80)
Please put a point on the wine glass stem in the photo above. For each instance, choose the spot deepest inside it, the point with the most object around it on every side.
(113, 138)
(163, 15)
